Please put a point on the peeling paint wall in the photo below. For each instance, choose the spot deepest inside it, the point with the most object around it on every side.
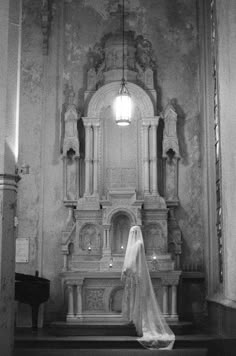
(77, 26)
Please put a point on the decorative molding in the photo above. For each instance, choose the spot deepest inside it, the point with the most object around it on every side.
(105, 95)
(8, 182)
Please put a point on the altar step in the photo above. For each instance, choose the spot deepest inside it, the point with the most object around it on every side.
(105, 352)
(108, 329)
(42, 343)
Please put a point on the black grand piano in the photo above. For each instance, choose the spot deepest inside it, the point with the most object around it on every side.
(32, 290)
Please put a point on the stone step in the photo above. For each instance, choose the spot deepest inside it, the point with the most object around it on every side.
(42, 343)
(108, 329)
(109, 352)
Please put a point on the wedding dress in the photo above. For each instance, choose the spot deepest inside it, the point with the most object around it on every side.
(139, 303)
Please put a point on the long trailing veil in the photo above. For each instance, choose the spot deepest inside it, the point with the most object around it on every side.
(139, 303)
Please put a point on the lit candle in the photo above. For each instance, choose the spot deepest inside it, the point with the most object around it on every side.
(122, 247)
(89, 247)
(154, 257)
(111, 263)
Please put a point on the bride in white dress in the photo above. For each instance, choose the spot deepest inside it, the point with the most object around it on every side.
(139, 302)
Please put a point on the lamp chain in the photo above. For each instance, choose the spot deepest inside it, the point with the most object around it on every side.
(123, 42)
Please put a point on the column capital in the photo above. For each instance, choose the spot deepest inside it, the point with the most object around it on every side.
(91, 121)
(150, 121)
(106, 227)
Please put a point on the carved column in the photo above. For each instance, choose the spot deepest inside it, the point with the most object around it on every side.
(95, 157)
(153, 155)
(165, 300)
(70, 313)
(79, 299)
(88, 136)
(106, 241)
(65, 261)
(77, 160)
(146, 158)
(174, 302)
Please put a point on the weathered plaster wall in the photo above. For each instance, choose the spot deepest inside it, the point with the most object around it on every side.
(40, 210)
(171, 27)
(30, 135)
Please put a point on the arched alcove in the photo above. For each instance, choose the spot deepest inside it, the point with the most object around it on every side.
(120, 231)
(106, 95)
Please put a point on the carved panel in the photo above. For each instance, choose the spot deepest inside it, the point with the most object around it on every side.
(94, 299)
(154, 239)
(90, 236)
(121, 177)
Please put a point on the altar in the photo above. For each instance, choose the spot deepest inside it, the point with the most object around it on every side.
(116, 177)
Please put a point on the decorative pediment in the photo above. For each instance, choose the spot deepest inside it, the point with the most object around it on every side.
(105, 60)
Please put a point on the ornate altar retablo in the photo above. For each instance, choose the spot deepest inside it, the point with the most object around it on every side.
(116, 177)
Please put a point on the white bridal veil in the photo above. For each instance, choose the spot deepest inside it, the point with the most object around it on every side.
(139, 302)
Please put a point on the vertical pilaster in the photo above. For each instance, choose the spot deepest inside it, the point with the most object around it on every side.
(95, 158)
(64, 178)
(79, 300)
(77, 162)
(165, 300)
(70, 312)
(153, 156)
(174, 302)
(106, 241)
(146, 158)
(88, 134)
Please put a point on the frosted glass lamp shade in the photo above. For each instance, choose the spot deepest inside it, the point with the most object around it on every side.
(123, 106)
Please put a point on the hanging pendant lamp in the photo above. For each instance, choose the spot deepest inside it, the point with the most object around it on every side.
(123, 100)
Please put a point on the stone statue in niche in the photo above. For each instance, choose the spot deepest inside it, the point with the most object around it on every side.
(170, 153)
(71, 139)
(170, 140)
(71, 148)
(90, 239)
